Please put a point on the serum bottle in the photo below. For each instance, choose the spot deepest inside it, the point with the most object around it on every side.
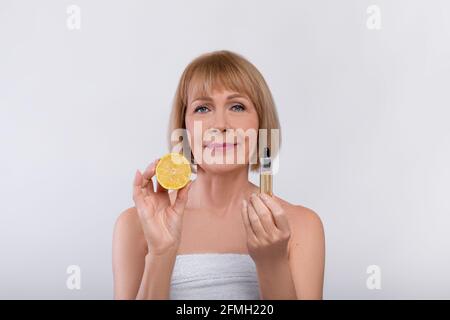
(265, 173)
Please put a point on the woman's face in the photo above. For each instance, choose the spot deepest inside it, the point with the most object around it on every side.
(223, 129)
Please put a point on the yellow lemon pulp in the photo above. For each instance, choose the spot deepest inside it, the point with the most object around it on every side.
(173, 171)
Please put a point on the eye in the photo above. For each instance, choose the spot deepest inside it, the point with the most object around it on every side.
(238, 107)
(201, 109)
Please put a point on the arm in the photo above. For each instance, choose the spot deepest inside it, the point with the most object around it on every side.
(268, 234)
(275, 280)
(287, 245)
(307, 253)
(128, 255)
(137, 274)
(157, 275)
(146, 239)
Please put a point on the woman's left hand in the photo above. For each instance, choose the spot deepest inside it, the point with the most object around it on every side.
(267, 227)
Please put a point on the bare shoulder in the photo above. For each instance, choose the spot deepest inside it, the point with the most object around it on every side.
(128, 218)
(299, 213)
(305, 223)
(128, 226)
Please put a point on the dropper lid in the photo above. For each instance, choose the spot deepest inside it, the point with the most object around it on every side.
(266, 162)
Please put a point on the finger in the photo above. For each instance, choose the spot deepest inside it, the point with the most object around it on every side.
(255, 222)
(181, 199)
(265, 216)
(148, 175)
(138, 195)
(281, 220)
(246, 220)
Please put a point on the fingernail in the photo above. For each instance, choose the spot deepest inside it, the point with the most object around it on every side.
(244, 203)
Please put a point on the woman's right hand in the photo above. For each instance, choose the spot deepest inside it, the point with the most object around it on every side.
(160, 220)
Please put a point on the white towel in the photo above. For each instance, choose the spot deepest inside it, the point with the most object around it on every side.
(214, 276)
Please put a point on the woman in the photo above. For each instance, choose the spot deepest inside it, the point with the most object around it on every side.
(217, 237)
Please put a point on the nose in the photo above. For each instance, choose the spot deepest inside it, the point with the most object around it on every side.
(220, 122)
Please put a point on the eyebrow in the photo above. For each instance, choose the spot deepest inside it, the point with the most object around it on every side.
(231, 96)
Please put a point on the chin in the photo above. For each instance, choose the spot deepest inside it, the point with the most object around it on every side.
(221, 168)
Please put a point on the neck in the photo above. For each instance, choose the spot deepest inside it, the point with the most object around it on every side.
(221, 191)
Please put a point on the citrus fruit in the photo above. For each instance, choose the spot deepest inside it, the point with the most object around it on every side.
(173, 171)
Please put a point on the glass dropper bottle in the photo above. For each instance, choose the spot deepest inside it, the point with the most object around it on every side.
(265, 173)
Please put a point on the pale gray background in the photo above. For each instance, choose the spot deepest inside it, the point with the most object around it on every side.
(365, 117)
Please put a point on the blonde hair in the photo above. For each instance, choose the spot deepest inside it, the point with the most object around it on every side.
(231, 71)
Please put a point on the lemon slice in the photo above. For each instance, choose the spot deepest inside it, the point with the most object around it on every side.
(173, 171)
